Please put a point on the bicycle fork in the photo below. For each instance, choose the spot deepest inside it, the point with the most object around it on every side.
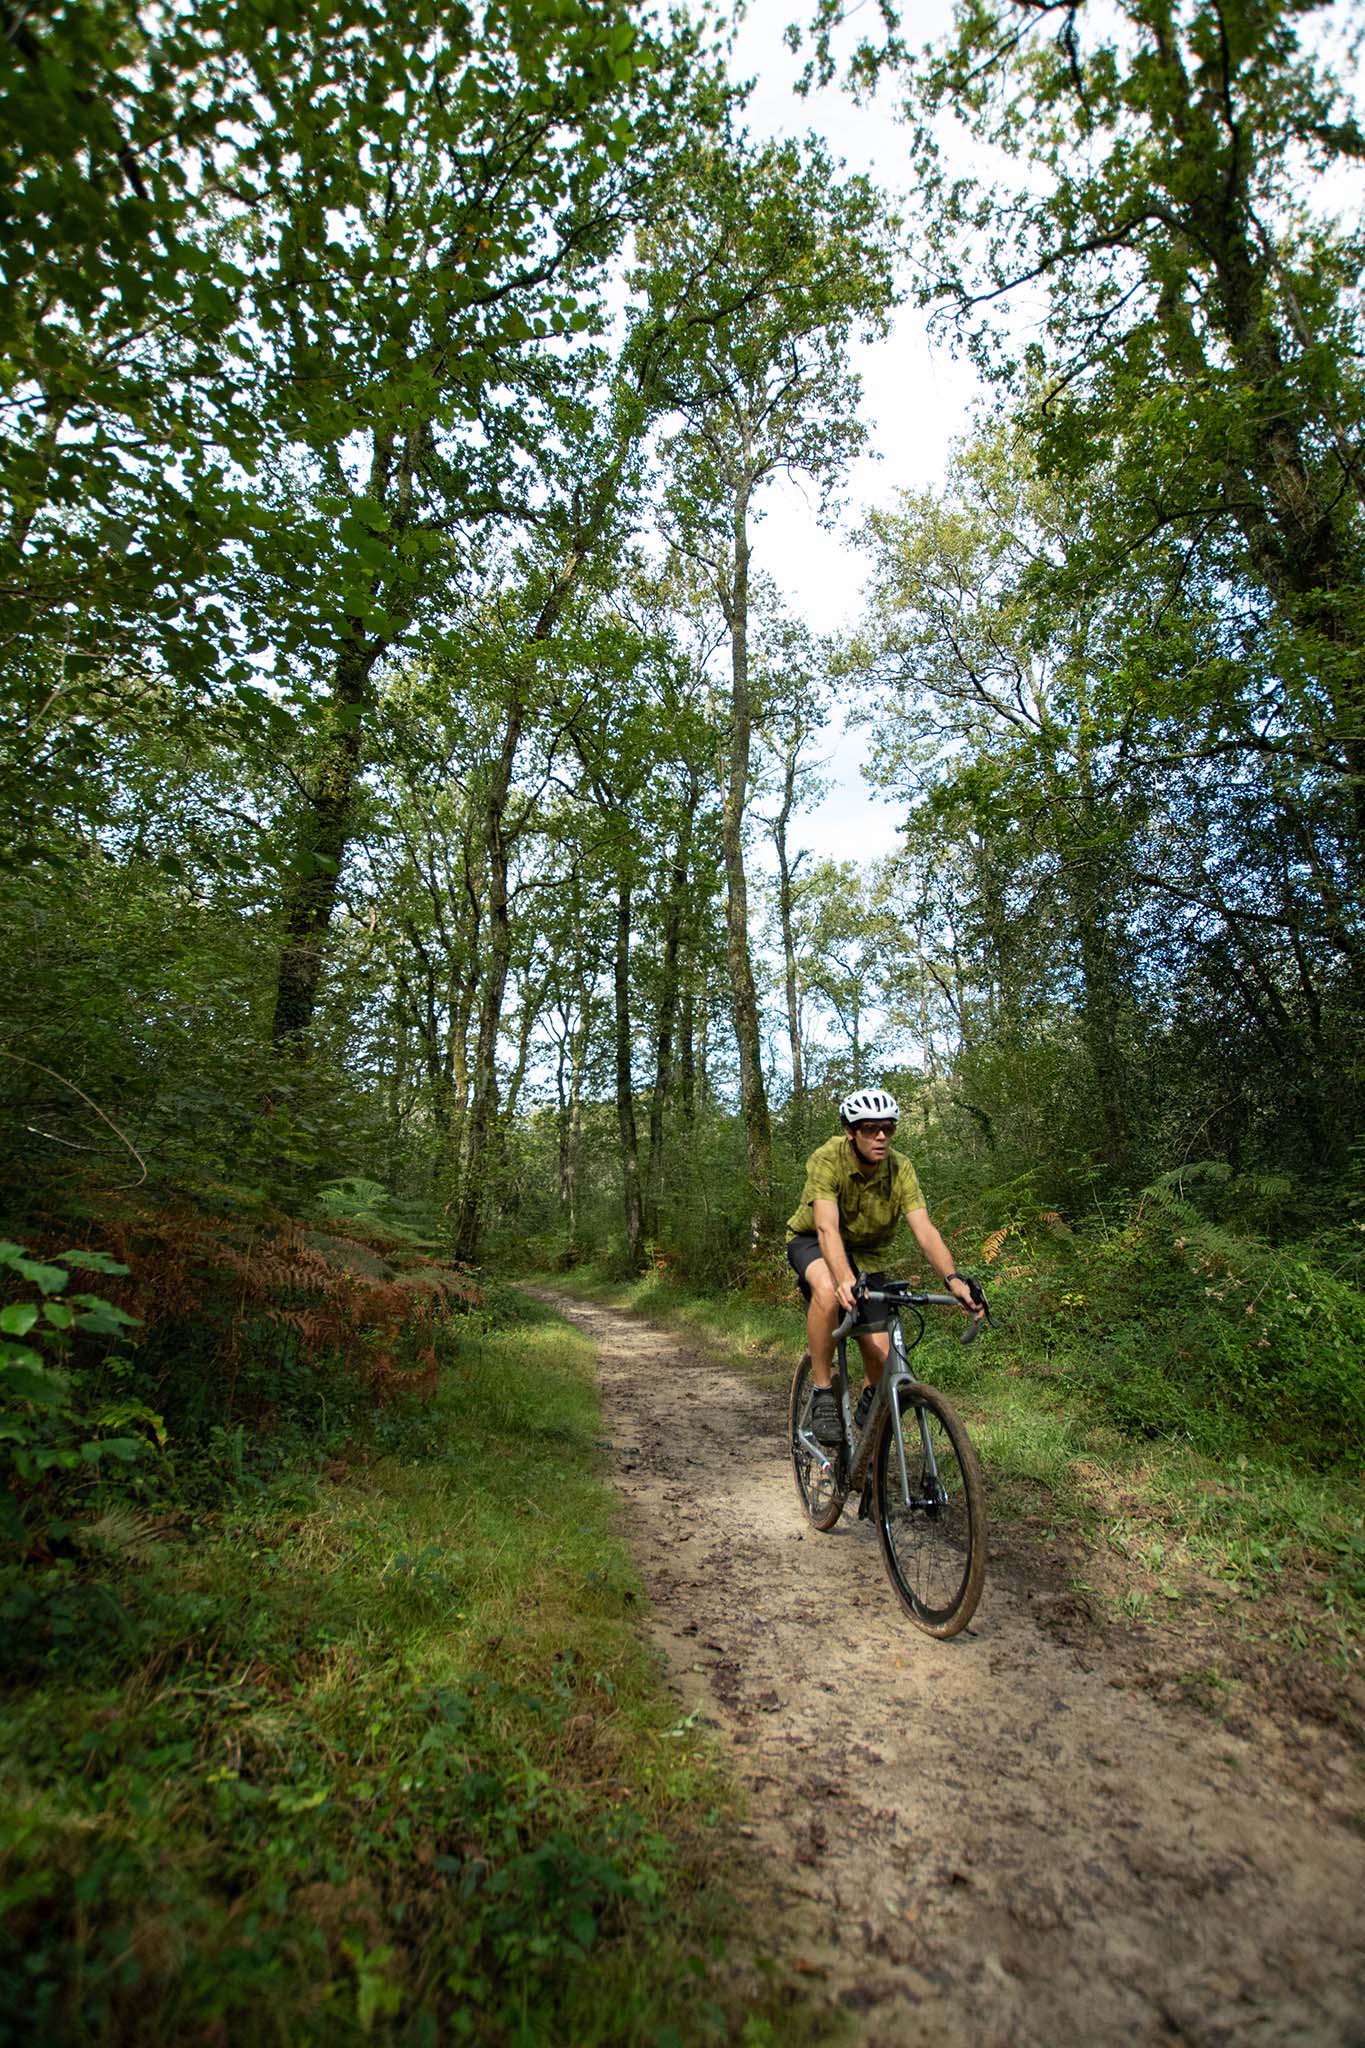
(896, 1376)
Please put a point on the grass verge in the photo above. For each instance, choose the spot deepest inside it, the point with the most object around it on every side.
(1243, 1572)
(376, 1755)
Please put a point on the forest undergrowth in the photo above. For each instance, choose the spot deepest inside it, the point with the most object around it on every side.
(340, 1725)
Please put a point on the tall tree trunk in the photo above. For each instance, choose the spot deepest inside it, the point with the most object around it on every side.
(575, 1149)
(397, 1079)
(469, 1217)
(562, 1115)
(625, 1096)
(786, 876)
(433, 1032)
(687, 1058)
(310, 896)
(468, 1226)
(526, 1024)
(752, 1093)
(323, 838)
(569, 1066)
(457, 1058)
(669, 987)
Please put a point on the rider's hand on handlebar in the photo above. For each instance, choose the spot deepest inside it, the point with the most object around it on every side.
(970, 1294)
(846, 1293)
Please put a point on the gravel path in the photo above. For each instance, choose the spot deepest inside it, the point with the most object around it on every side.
(985, 1841)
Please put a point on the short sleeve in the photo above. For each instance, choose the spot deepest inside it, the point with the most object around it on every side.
(908, 1192)
(823, 1183)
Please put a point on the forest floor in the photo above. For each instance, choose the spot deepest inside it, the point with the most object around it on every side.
(1049, 1831)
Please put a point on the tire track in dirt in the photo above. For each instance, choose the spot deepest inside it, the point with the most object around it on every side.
(979, 1842)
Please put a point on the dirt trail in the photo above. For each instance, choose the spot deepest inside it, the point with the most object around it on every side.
(982, 1842)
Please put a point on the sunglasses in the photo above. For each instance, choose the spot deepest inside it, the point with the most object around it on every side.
(877, 1130)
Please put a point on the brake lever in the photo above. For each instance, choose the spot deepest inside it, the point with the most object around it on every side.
(850, 1315)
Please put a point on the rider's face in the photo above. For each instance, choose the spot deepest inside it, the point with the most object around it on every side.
(872, 1142)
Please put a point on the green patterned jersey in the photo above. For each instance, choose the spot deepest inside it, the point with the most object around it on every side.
(870, 1211)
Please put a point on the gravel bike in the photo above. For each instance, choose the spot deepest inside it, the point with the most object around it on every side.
(912, 1465)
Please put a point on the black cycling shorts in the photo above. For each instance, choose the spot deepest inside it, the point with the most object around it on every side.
(805, 1247)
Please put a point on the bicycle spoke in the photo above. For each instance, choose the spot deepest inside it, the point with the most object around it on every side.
(934, 1543)
(817, 1471)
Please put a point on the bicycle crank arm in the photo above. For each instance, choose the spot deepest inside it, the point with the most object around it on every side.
(823, 1454)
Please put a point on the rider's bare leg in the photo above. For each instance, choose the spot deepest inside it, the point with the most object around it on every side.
(875, 1346)
(822, 1314)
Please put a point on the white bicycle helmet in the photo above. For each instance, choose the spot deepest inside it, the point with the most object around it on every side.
(868, 1105)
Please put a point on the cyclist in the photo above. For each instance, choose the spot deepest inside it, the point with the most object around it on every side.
(857, 1190)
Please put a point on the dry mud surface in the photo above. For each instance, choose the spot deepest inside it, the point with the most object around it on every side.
(991, 1841)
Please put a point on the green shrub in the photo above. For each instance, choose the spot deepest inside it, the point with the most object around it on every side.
(1182, 1324)
(63, 1418)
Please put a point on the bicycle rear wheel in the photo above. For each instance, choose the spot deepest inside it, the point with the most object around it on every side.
(934, 1545)
(818, 1479)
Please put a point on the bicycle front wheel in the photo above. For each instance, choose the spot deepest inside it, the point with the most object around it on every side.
(817, 1470)
(934, 1542)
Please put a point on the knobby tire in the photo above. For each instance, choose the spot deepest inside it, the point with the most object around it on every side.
(934, 1551)
(822, 1498)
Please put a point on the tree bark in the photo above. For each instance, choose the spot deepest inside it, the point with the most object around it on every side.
(310, 895)
(469, 1205)
(469, 1211)
(687, 1059)
(669, 989)
(625, 1094)
(752, 1093)
(573, 1052)
(785, 895)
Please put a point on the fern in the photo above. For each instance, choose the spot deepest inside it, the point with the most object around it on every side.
(124, 1532)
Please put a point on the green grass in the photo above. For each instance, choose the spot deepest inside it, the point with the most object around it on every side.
(377, 1755)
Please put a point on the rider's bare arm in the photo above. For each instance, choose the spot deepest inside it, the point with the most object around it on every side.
(832, 1249)
(930, 1242)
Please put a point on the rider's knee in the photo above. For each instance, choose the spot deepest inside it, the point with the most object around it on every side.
(823, 1296)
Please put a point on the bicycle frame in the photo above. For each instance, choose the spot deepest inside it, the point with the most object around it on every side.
(927, 1501)
(897, 1373)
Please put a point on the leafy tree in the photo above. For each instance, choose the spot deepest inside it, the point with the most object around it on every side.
(793, 694)
(779, 262)
(1103, 845)
(845, 940)
(1200, 335)
(489, 231)
(1030, 710)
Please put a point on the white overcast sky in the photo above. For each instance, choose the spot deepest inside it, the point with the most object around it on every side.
(916, 399)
